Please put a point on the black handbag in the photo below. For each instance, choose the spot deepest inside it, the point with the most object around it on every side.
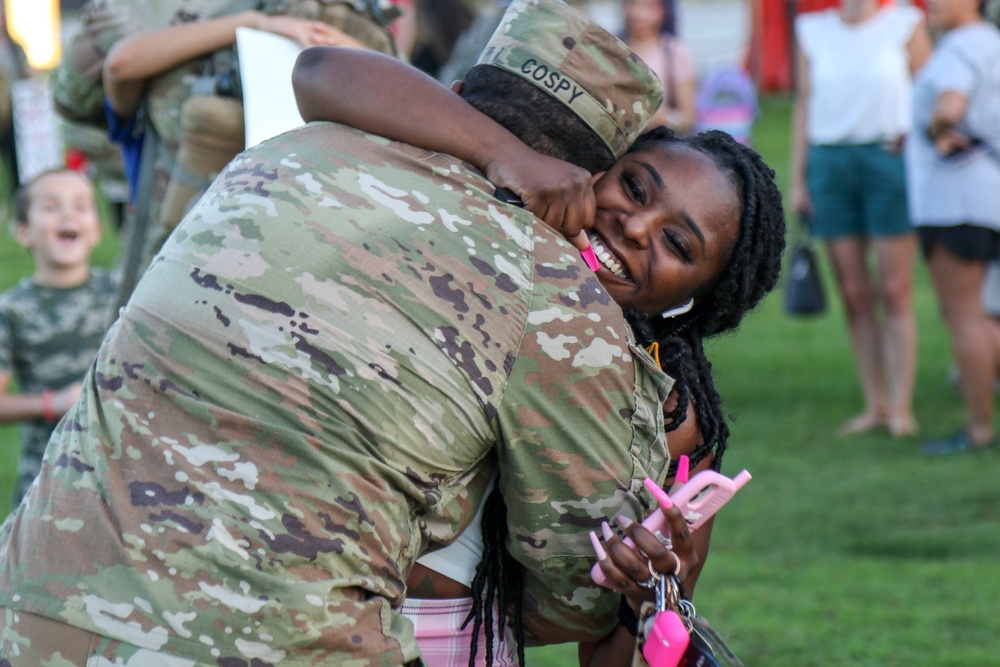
(708, 648)
(804, 294)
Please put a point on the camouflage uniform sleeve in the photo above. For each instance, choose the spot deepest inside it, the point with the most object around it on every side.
(580, 430)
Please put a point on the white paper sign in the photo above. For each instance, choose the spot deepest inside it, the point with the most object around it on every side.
(266, 62)
(37, 135)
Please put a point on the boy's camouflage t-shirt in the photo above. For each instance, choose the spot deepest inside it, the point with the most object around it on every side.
(310, 388)
(48, 339)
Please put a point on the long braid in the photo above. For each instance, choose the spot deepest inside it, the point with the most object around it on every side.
(751, 273)
(712, 423)
(683, 358)
(498, 581)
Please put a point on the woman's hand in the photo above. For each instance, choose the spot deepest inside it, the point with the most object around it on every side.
(558, 192)
(799, 201)
(64, 399)
(632, 574)
(950, 141)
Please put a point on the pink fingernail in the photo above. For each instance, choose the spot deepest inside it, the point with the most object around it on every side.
(590, 258)
(606, 531)
(624, 521)
(683, 469)
(598, 549)
(658, 493)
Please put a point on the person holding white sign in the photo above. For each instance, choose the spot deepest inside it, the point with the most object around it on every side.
(211, 124)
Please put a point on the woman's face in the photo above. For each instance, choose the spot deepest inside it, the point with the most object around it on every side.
(643, 17)
(666, 225)
(948, 14)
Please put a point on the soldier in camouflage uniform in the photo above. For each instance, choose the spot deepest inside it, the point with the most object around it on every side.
(196, 128)
(310, 387)
(164, 185)
(51, 324)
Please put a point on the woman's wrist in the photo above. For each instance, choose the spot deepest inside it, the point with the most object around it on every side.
(47, 412)
(937, 128)
(627, 618)
(252, 18)
(496, 149)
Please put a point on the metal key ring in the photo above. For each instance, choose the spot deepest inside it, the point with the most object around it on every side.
(677, 564)
(654, 576)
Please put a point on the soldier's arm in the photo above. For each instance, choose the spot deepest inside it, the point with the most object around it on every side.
(382, 95)
(579, 428)
(135, 59)
(616, 648)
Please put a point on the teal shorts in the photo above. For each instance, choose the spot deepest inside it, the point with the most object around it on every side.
(857, 190)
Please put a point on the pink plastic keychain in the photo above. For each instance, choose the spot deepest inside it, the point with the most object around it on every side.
(666, 634)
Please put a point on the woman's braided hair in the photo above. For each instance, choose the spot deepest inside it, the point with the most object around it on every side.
(752, 272)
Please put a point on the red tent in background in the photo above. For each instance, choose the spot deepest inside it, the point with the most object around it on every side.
(772, 27)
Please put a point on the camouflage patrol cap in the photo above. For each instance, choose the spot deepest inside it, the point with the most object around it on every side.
(558, 49)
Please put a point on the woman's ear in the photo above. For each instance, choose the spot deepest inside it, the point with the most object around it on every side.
(456, 87)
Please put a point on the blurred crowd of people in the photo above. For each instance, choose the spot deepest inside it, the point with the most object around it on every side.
(895, 147)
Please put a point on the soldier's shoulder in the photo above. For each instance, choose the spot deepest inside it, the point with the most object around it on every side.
(332, 148)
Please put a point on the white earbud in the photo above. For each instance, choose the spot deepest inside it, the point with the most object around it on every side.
(679, 310)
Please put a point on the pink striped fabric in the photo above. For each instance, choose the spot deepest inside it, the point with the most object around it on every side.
(442, 640)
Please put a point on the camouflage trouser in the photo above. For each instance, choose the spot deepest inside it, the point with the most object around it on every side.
(27, 640)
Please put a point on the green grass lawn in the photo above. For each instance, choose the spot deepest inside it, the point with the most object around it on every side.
(858, 552)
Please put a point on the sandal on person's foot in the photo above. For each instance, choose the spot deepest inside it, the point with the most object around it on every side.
(863, 423)
(960, 442)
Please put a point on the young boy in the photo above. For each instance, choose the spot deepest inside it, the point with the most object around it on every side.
(52, 323)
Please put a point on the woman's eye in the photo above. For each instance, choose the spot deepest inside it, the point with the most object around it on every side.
(679, 244)
(634, 188)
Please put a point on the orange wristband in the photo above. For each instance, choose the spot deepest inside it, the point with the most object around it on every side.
(47, 412)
